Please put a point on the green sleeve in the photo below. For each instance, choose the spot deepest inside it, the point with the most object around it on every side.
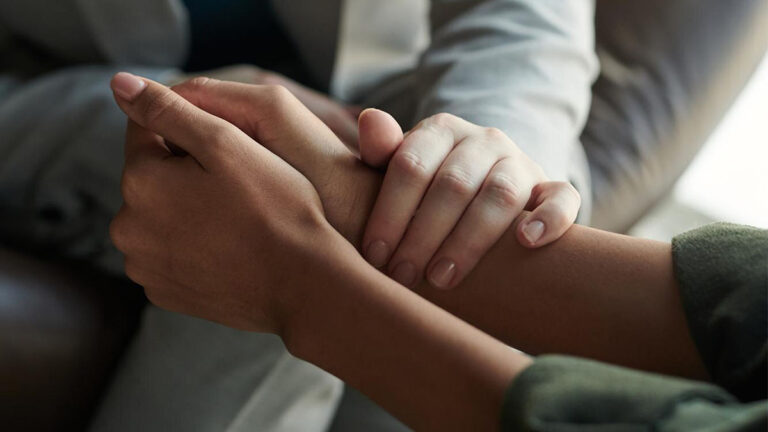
(566, 394)
(722, 270)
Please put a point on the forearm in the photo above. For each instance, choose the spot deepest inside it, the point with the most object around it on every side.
(422, 364)
(591, 293)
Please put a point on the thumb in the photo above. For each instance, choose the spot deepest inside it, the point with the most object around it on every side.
(380, 136)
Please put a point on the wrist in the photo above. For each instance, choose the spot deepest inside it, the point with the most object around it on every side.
(348, 191)
(331, 268)
(408, 355)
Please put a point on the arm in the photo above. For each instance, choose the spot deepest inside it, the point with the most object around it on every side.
(601, 295)
(426, 366)
(436, 373)
(592, 294)
(523, 66)
(337, 312)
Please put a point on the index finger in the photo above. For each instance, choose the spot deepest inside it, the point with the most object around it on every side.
(157, 108)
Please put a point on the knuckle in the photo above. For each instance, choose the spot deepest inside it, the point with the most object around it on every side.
(502, 191)
(411, 166)
(442, 119)
(221, 135)
(455, 180)
(559, 218)
(438, 125)
(278, 93)
(197, 83)
(279, 98)
(572, 190)
(495, 134)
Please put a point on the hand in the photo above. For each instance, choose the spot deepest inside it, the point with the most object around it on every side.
(275, 118)
(213, 232)
(218, 234)
(340, 118)
(450, 192)
(346, 188)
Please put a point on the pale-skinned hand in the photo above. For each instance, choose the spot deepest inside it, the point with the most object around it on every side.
(220, 231)
(451, 190)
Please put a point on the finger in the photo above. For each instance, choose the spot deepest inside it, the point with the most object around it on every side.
(408, 176)
(273, 117)
(452, 190)
(335, 115)
(502, 197)
(556, 205)
(459, 127)
(380, 135)
(159, 109)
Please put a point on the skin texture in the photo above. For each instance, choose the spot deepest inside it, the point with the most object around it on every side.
(591, 293)
(339, 117)
(471, 217)
(173, 251)
(168, 222)
(451, 190)
(602, 295)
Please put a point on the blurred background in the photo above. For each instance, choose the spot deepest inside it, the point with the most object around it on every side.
(677, 137)
(728, 179)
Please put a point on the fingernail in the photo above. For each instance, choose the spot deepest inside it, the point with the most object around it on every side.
(533, 231)
(128, 86)
(404, 273)
(442, 273)
(377, 253)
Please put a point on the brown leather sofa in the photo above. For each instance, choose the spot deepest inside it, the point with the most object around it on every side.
(62, 330)
(671, 68)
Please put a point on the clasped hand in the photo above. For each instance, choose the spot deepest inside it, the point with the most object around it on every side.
(238, 199)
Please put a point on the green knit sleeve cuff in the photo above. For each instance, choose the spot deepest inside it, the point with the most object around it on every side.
(722, 271)
(559, 393)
